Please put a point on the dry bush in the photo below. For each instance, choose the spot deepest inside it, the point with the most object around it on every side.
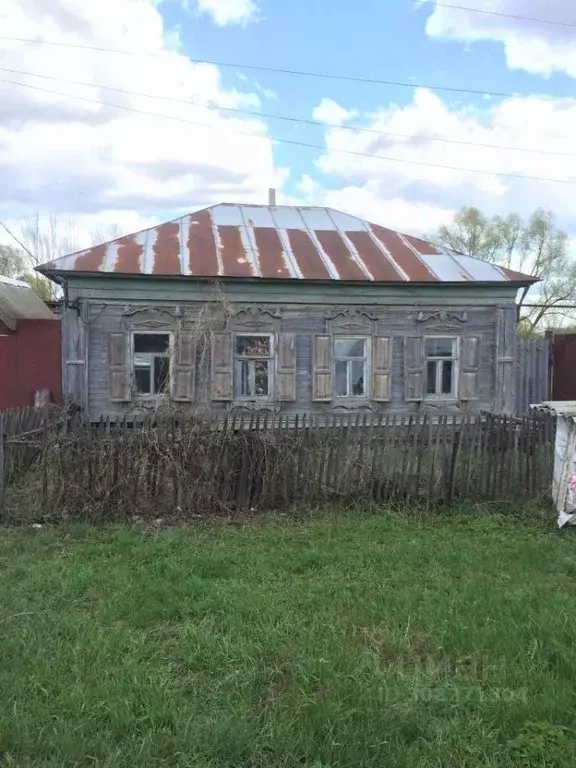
(177, 465)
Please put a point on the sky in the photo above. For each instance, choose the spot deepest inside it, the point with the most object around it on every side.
(147, 134)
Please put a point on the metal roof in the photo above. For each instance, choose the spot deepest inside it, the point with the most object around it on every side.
(19, 302)
(305, 243)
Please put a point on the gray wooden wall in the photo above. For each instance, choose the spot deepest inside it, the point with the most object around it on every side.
(532, 373)
(492, 325)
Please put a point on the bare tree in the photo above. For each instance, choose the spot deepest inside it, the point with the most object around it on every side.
(535, 247)
(44, 238)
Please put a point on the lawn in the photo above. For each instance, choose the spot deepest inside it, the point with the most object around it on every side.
(346, 640)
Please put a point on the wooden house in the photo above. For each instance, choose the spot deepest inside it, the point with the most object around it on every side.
(288, 309)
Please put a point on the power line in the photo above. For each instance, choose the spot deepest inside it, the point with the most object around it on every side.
(20, 243)
(293, 142)
(276, 70)
(496, 13)
(288, 118)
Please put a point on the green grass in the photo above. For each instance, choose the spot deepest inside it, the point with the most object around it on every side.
(353, 640)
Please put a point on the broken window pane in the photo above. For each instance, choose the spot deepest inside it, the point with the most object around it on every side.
(157, 343)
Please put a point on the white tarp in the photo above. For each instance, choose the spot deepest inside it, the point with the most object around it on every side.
(564, 480)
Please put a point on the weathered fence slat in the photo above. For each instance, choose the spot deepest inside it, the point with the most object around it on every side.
(192, 464)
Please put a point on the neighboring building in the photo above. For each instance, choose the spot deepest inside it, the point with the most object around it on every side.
(289, 309)
(30, 352)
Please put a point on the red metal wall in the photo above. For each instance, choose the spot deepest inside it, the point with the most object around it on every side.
(564, 366)
(30, 359)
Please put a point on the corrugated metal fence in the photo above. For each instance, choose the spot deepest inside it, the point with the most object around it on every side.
(532, 373)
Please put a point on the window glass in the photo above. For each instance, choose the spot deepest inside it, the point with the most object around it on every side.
(151, 362)
(358, 384)
(251, 372)
(447, 377)
(161, 373)
(349, 347)
(431, 377)
(243, 378)
(341, 378)
(142, 379)
(439, 347)
(253, 346)
(441, 366)
(152, 342)
(350, 367)
(261, 378)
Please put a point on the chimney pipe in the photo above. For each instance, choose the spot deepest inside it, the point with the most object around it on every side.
(272, 196)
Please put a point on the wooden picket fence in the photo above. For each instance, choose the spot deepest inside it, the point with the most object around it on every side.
(188, 466)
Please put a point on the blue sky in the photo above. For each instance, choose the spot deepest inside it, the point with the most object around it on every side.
(380, 39)
(94, 157)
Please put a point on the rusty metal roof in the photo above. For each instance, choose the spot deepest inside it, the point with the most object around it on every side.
(304, 243)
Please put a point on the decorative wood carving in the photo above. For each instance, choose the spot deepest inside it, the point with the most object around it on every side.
(442, 319)
(257, 318)
(350, 408)
(350, 321)
(253, 406)
(152, 317)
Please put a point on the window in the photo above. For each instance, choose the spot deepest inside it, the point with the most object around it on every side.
(151, 363)
(253, 366)
(441, 363)
(350, 367)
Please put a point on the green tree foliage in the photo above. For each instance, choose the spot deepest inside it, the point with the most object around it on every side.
(535, 247)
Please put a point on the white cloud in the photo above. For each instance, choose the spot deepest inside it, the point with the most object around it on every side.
(536, 47)
(408, 171)
(416, 198)
(329, 111)
(82, 159)
(224, 12)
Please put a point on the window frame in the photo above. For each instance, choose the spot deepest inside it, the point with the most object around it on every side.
(367, 365)
(270, 358)
(153, 355)
(454, 358)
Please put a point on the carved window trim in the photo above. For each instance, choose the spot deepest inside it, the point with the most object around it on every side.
(254, 320)
(151, 318)
(351, 322)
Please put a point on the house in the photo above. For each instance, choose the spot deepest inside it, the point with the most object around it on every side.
(29, 347)
(290, 309)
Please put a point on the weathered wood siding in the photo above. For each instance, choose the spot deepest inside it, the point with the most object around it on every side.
(305, 322)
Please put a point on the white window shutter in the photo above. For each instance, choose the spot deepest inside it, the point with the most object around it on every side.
(381, 368)
(322, 368)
